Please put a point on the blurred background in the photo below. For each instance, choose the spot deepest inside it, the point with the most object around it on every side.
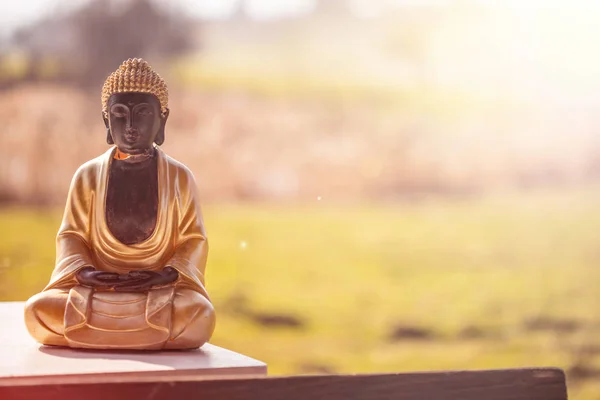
(388, 185)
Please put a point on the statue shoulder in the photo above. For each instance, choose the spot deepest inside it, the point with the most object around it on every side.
(186, 186)
(180, 170)
(87, 173)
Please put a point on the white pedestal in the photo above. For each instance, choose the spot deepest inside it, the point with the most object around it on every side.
(25, 362)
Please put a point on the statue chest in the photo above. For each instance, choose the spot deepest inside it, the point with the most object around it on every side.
(132, 200)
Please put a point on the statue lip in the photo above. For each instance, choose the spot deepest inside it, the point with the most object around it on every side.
(131, 137)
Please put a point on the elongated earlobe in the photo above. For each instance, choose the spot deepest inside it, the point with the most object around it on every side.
(109, 138)
(160, 136)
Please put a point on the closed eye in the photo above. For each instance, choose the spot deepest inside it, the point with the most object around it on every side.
(118, 111)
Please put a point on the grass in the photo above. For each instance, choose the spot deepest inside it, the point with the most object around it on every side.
(500, 282)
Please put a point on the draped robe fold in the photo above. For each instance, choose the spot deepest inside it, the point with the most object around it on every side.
(178, 315)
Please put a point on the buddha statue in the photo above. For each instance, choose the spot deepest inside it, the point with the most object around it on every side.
(131, 250)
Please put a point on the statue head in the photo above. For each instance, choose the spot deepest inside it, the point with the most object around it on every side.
(135, 107)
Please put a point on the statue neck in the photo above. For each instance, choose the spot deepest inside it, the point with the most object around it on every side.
(134, 158)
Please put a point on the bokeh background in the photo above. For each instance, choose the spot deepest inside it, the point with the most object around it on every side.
(388, 185)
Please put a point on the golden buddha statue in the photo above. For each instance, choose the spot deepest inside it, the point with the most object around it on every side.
(131, 250)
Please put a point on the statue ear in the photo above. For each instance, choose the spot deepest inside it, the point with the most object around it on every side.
(160, 136)
(109, 138)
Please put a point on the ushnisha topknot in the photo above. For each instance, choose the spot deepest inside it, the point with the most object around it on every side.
(135, 75)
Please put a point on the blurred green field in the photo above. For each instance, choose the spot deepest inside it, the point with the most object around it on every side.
(504, 281)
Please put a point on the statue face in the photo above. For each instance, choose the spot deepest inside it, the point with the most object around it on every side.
(134, 120)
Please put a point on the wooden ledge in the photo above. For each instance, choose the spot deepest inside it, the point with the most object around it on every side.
(519, 384)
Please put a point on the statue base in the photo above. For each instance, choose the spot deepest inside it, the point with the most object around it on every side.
(25, 362)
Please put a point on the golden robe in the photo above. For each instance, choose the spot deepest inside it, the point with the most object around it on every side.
(178, 315)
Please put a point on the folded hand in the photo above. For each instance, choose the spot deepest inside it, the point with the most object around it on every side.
(89, 276)
(138, 281)
(133, 281)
